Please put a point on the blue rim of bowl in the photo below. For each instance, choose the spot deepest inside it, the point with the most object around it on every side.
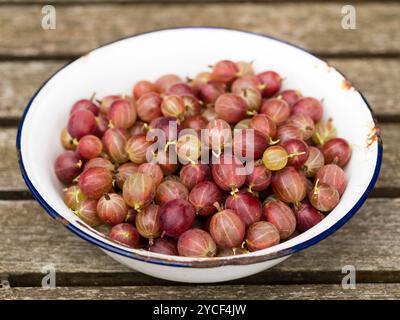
(199, 263)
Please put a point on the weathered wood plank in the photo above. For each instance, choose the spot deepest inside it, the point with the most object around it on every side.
(369, 242)
(315, 26)
(389, 179)
(261, 292)
(19, 81)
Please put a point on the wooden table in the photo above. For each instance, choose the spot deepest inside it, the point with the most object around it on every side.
(369, 56)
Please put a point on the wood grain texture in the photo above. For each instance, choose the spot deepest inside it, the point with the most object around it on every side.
(376, 78)
(29, 240)
(231, 292)
(389, 179)
(315, 26)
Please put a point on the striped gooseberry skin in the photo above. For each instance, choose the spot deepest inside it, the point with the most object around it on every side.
(149, 106)
(136, 148)
(323, 197)
(314, 162)
(275, 158)
(229, 173)
(193, 173)
(218, 135)
(290, 96)
(271, 82)
(297, 150)
(123, 172)
(289, 185)
(188, 148)
(265, 125)
(247, 207)
(277, 109)
(95, 182)
(126, 234)
(73, 196)
(281, 216)
(333, 175)
(205, 197)
(81, 123)
(195, 122)
(87, 211)
(261, 235)
(67, 166)
(163, 246)
(173, 106)
(230, 107)
(227, 229)
(176, 217)
(196, 243)
(210, 91)
(139, 190)
(224, 71)
(324, 131)
(67, 141)
(245, 68)
(337, 151)
(142, 87)
(245, 82)
(111, 209)
(180, 89)
(169, 190)
(114, 141)
(249, 143)
(287, 132)
(309, 106)
(164, 82)
(153, 170)
(106, 103)
(307, 216)
(85, 104)
(253, 99)
(89, 147)
(193, 106)
(303, 122)
(260, 178)
(148, 222)
(122, 114)
(99, 162)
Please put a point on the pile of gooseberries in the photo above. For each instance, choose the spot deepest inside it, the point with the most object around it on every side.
(114, 178)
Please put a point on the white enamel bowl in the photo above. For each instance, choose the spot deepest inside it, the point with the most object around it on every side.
(115, 67)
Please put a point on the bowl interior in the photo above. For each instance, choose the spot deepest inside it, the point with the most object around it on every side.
(114, 68)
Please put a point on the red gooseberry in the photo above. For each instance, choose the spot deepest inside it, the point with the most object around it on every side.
(303, 122)
(271, 82)
(324, 131)
(73, 196)
(323, 197)
(227, 229)
(148, 222)
(173, 106)
(249, 143)
(85, 104)
(196, 243)
(67, 166)
(205, 197)
(314, 162)
(126, 234)
(149, 106)
(123, 172)
(261, 235)
(81, 123)
(230, 107)
(166, 81)
(259, 179)
(112, 209)
(122, 113)
(114, 141)
(169, 190)
(228, 174)
(142, 87)
(153, 170)
(224, 71)
(289, 185)
(95, 182)
(337, 151)
(277, 109)
(297, 150)
(193, 173)
(139, 190)
(247, 207)
(307, 216)
(281, 216)
(163, 246)
(99, 162)
(89, 147)
(333, 175)
(176, 217)
(290, 96)
(310, 107)
(136, 148)
(88, 213)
